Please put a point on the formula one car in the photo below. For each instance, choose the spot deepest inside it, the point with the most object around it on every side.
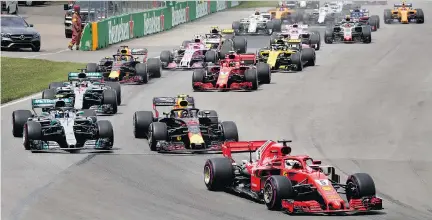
(362, 16)
(61, 127)
(235, 72)
(255, 25)
(299, 32)
(403, 13)
(348, 32)
(325, 15)
(128, 65)
(87, 91)
(307, 4)
(283, 14)
(223, 41)
(183, 128)
(189, 55)
(295, 184)
(290, 55)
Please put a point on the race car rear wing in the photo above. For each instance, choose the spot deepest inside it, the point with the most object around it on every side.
(227, 31)
(74, 76)
(124, 51)
(171, 101)
(51, 103)
(241, 146)
(408, 5)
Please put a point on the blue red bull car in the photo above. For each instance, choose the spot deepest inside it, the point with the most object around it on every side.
(128, 66)
(176, 126)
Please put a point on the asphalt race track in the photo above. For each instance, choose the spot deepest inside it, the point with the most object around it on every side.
(363, 108)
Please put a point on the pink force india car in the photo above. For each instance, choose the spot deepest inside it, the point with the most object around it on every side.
(310, 39)
(190, 55)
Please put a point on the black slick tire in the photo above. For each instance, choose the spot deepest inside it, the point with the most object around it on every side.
(142, 71)
(308, 54)
(277, 188)
(211, 56)
(110, 98)
(297, 60)
(218, 173)
(166, 58)
(158, 132)
(142, 121)
(55, 85)
(360, 185)
(117, 87)
(229, 131)
(32, 131)
(240, 44)
(264, 73)
(19, 118)
(154, 67)
(49, 94)
(106, 131)
(198, 76)
(92, 67)
(252, 77)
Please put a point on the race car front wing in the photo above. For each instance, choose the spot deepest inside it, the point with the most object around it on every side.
(243, 86)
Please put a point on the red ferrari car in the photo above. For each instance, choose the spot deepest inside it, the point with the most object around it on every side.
(234, 72)
(296, 184)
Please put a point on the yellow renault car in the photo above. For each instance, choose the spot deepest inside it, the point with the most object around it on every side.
(287, 55)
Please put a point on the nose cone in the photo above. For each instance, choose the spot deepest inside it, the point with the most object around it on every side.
(334, 205)
(114, 74)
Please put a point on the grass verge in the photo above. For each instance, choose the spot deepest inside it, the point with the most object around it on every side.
(23, 77)
(257, 4)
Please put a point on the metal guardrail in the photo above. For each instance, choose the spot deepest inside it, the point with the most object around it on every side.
(98, 10)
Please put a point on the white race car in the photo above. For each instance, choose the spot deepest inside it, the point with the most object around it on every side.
(254, 24)
(321, 16)
(308, 4)
(87, 91)
(300, 32)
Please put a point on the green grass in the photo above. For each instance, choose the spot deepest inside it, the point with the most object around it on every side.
(257, 4)
(23, 77)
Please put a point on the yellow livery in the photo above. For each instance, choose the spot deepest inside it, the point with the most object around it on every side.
(403, 13)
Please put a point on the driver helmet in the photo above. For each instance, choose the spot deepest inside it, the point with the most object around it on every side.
(295, 26)
(257, 12)
(59, 114)
(232, 64)
(183, 114)
(214, 30)
(197, 39)
(347, 18)
(83, 84)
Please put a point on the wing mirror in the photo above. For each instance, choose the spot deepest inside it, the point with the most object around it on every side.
(316, 162)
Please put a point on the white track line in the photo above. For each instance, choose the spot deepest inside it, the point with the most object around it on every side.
(21, 100)
(45, 54)
(31, 96)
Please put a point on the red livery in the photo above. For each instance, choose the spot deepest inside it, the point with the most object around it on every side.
(235, 72)
(296, 184)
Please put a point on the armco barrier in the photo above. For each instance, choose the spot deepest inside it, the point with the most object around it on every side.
(98, 35)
